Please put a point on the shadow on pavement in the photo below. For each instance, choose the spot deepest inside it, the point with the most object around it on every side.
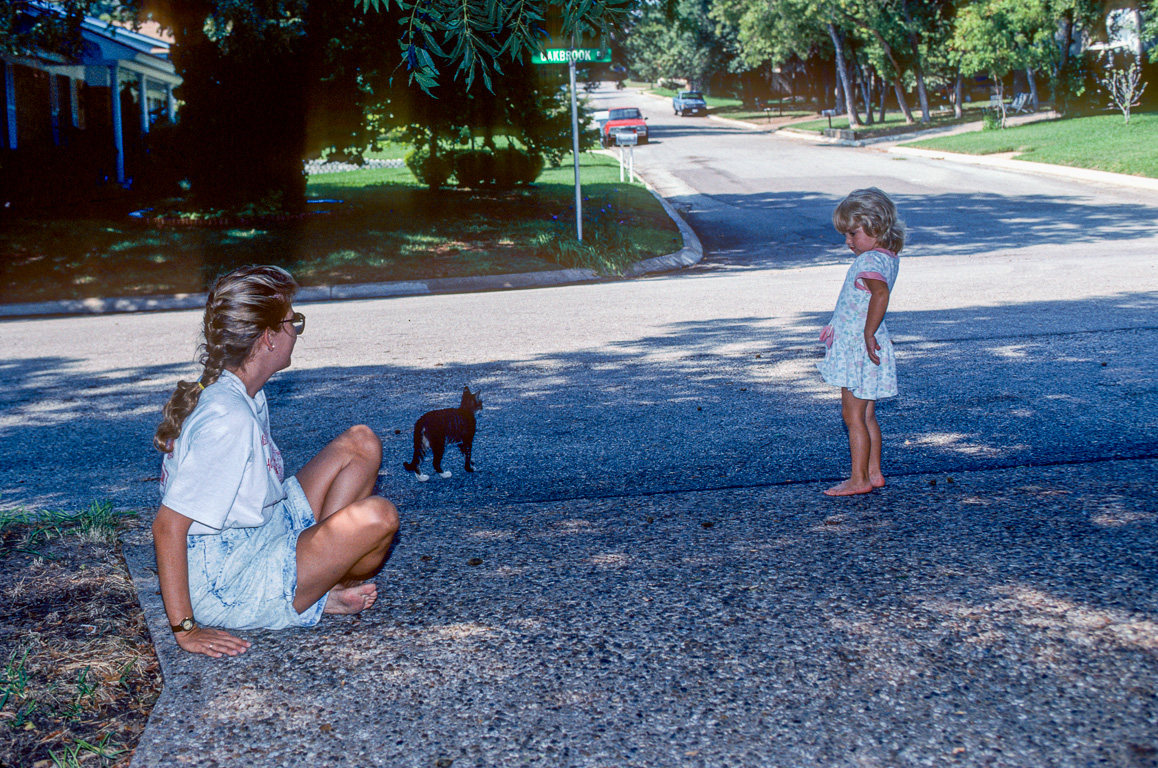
(801, 232)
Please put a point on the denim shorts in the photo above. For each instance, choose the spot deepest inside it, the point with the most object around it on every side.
(245, 578)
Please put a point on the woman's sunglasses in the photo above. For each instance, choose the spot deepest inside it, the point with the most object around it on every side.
(298, 321)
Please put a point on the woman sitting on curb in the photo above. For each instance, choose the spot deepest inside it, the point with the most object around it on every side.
(239, 545)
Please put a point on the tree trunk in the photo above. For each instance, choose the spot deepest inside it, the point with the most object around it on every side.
(959, 95)
(902, 103)
(884, 95)
(1000, 97)
(1140, 47)
(1032, 88)
(1067, 36)
(839, 89)
(842, 73)
(918, 68)
(243, 120)
(922, 94)
(865, 77)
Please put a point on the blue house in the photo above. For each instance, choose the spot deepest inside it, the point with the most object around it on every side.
(96, 109)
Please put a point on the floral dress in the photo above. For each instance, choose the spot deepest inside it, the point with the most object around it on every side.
(846, 363)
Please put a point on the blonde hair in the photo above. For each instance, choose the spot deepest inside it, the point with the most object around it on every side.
(241, 306)
(874, 212)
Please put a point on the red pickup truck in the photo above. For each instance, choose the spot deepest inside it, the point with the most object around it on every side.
(623, 120)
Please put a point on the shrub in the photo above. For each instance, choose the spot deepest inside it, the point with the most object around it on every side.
(474, 168)
(513, 167)
(432, 170)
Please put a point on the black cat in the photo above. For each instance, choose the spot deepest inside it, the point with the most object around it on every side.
(435, 429)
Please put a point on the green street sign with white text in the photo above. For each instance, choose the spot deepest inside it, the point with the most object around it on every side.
(567, 55)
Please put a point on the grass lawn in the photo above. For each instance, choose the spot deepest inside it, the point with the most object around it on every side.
(389, 228)
(1101, 142)
(80, 675)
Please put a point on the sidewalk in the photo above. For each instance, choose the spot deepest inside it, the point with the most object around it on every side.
(977, 619)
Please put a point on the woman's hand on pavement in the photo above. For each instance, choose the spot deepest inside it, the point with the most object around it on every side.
(211, 642)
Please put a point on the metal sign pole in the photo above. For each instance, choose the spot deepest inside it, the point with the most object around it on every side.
(575, 153)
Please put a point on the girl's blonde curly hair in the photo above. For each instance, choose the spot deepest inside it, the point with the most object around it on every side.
(874, 212)
(240, 307)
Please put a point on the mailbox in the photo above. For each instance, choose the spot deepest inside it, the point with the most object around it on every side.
(626, 139)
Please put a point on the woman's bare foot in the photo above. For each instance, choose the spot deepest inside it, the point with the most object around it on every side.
(346, 601)
(877, 481)
(849, 488)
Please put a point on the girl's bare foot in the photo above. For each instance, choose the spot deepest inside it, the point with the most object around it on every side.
(849, 488)
(350, 600)
(877, 481)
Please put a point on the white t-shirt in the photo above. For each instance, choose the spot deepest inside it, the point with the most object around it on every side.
(224, 470)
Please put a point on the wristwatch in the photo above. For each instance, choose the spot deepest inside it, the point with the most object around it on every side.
(185, 625)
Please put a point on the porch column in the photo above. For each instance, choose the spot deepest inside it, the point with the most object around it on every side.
(54, 108)
(170, 103)
(10, 100)
(74, 101)
(144, 86)
(118, 137)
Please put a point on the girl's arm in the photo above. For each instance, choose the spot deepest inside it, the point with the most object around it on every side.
(170, 531)
(878, 304)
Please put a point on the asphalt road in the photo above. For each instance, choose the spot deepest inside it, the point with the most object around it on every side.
(1024, 312)
(643, 571)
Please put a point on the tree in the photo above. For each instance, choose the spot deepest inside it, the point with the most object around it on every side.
(475, 35)
(998, 36)
(268, 83)
(1149, 36)
(1124, 86)
(677, 41)
(26, 29)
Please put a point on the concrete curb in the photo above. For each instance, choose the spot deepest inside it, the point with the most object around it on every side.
(690, 254)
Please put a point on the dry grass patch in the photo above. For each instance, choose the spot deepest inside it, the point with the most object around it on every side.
(80, 675)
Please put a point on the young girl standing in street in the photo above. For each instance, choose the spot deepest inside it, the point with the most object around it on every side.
(859, 359)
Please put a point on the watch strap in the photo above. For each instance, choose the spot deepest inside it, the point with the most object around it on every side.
(186, 624)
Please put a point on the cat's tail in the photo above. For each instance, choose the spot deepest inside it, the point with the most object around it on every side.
(419, 451)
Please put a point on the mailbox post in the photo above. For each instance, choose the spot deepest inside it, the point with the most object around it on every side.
(627, 140)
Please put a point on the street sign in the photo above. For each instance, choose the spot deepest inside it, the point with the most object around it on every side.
(568, 55)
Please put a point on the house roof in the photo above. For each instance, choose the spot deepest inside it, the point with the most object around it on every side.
(108, 43)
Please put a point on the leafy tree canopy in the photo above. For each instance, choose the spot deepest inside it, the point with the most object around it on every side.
(474, 36)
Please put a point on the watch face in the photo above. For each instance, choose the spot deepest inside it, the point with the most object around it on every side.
(187, 624)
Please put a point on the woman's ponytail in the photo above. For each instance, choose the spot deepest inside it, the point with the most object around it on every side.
(240, 307)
